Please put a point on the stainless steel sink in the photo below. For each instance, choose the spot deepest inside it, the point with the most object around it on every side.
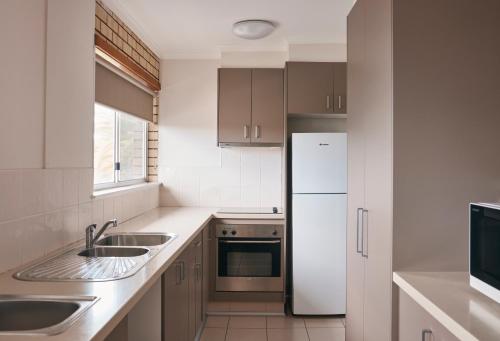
(114, 252)
(118, 256)
(46, 315)
(134, 239)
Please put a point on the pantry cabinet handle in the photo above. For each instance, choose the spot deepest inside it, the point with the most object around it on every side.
(426, 332)
(340, 102)
(183, 271)
(245, 131)
(328, 102)
(364, 252)
(359, 218)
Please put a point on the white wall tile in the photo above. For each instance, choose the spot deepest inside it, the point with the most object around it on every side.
(33, 238)
(85, 184)
(10, 255)
(32, 191)
(209, 196)
(71, 178)
(250, 168)
(230, 196)
(118, 205)
(54, 229)
(97, 212)
(108, 209)
(190, 188)
(84, 217)
(53, 188)
(271, 179)
(250, 196)
(10, 195)
(71, 232)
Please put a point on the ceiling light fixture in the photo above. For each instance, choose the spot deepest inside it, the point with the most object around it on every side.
(253, 29)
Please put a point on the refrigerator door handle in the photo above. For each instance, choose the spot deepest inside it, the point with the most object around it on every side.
(364, 252)
(359, 218)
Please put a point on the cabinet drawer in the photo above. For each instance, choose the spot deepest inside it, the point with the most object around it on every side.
(414, 321)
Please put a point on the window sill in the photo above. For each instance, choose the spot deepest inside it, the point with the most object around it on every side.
(102, 193)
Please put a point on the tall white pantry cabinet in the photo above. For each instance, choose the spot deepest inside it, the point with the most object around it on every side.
(369, 126)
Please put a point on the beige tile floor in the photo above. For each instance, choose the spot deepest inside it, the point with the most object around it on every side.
(273, 328)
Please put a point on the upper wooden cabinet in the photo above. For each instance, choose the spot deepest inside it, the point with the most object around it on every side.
(267, 106)
(316, 88)
(235, 105)
(250, 107)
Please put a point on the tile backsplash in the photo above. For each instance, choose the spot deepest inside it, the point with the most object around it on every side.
(42, 210)
(242, 177)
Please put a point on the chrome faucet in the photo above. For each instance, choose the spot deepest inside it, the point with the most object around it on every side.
(90, 238)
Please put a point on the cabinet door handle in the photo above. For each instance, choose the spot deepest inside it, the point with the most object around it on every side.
(426, 332)
(183, 271)
(257, 132)
(197, 268)
(359, 218)
(328, 102)
(245, 131)
(178, 278)
(340, 102)
(364, 252)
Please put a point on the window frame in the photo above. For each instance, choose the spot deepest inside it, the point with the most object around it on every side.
(116, 153)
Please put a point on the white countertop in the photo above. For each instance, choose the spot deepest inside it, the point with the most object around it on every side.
(447, 296)
(117, 298)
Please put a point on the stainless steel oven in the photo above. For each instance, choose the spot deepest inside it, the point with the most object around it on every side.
(249, 258)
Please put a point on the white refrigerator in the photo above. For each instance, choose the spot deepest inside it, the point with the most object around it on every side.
(319, 222)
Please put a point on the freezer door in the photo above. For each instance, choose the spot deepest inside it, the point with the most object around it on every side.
(319, 163)
(319, 254)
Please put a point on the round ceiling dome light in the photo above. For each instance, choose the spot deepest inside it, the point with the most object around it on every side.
(253, 29)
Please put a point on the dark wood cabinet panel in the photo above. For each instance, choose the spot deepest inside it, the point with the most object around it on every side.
(340, 88)
(310, 87)
(176, 301)
(267, 106)
(235, 105)
(182, 294)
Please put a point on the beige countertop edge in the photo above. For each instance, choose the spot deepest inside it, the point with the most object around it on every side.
(117, 298)
(447, 297)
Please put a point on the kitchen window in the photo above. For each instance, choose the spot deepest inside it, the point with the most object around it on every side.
(120, 141)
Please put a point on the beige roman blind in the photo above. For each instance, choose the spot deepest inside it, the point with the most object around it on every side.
(117, 92)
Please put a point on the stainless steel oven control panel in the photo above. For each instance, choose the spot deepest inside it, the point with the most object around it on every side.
(248, 231)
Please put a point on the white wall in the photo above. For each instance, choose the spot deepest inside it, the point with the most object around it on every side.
(22, 78)
(193, 170)
(318, 52)
(43, 209)
(266, 59)
(70, 83)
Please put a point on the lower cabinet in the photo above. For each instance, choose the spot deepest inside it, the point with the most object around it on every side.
(182, 286)
(416, 324)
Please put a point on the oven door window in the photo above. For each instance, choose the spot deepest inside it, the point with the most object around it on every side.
(245, 257)
(485, 245)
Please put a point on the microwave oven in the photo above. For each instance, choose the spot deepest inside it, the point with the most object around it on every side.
(484, 248)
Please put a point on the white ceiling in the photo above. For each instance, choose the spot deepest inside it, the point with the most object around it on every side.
(203, 28)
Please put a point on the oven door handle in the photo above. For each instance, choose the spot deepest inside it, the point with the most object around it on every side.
(250, 241)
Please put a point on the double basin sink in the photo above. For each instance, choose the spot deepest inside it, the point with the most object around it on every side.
(126, 245)
(115, 256)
